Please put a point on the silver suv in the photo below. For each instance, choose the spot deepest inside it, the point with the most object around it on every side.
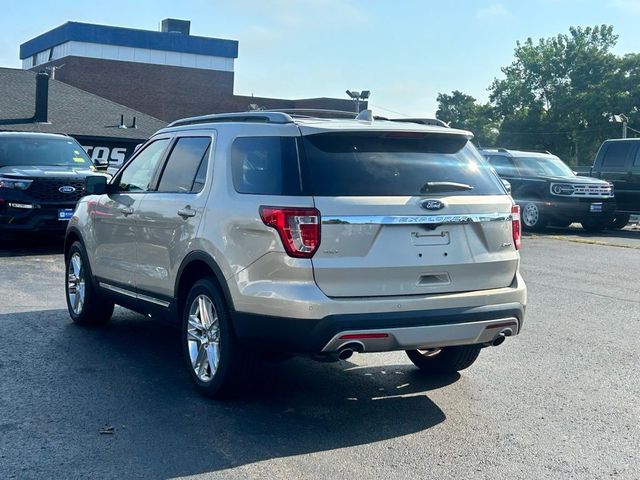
(289, 233)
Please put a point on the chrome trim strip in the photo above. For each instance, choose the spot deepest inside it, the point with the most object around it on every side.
(149, 299)
(138, 296)
(113, 288)
(416, 219)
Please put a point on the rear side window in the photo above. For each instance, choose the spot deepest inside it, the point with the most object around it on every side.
(186, 167)
(265, 165)
(394, 164)
(616, 154)
(503, 165)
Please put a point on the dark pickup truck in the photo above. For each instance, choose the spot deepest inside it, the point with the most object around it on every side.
(618, 162)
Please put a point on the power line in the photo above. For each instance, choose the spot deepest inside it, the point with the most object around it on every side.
(389, 110)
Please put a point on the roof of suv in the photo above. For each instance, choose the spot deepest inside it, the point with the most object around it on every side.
(317, 121)
(52, 136)
(515, 153)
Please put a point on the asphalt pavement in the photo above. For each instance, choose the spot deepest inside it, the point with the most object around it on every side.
(559, 401)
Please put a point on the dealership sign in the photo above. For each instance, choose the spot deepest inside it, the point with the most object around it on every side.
(104, 151)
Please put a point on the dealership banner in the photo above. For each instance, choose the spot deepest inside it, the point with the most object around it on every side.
(113, 151)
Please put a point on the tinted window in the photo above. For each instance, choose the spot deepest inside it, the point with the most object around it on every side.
(543, 166)
(185, 161)
(503, 165)
(138, 175)
(265, 165)
(616, 154)
(42, 151)
(398, 164)
(636, 162)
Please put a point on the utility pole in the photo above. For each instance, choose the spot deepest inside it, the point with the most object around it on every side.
(357, 96)
(624, 120)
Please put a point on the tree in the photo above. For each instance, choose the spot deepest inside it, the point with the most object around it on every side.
(463, 111)
(560, 93)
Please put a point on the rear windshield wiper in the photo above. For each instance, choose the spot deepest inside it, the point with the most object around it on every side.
(431, 187)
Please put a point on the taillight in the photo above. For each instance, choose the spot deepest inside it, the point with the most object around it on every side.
(299, 228)
(516, 226)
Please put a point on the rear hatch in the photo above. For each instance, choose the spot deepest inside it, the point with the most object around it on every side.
(407, 213)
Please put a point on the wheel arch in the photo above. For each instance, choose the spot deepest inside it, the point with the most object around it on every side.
(195, 266)
(73, 235)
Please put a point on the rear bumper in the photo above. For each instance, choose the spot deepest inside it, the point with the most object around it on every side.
(393, 330)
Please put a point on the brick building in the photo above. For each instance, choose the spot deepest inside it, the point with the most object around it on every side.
(167, 74)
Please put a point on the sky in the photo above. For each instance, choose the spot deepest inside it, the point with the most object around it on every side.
(404, 51)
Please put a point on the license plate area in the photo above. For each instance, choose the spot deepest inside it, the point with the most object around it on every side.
(425, 239)
(65, 214)
(595, 207)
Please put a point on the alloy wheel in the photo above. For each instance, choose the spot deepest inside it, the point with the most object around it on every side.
(76, 284)
(203, 338)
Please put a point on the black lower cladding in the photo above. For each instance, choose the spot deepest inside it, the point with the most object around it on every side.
(310, 336)
(577, 209)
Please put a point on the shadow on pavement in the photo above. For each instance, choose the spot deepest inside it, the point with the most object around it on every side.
(60, 390)
(31, 244)
(577, 232)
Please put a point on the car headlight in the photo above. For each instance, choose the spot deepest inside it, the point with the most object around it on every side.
(15, 183)
(562, 189)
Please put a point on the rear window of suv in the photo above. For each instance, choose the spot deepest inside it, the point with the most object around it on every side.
(393, 164)
(266, 165)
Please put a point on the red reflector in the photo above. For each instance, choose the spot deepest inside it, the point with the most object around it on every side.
(516, 226)
(356, 336)
(299, 228)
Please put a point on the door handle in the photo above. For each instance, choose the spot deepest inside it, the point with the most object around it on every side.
(187, 212)
(126, 211)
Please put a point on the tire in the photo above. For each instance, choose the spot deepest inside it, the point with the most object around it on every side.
(594, 226)
(445, 360)
(620, 221)
(211, 350)
(86, 306)
(532, 217)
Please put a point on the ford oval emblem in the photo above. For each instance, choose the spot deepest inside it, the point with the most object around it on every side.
(67, 189)
(433, 205)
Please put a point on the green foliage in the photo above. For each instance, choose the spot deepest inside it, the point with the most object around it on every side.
(463, 111)
(558, 95)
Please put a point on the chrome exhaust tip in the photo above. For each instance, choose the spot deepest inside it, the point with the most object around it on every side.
(501, 337)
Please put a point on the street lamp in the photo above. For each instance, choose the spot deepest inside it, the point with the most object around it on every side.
(357, 96)
(624, 120)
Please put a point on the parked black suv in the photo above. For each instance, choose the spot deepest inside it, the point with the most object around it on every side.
(618, 161)
(550, 193)
(41, 179)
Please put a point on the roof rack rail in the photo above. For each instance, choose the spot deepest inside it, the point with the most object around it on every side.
(311, 112)
(422, 121)
(256, 117)
(497, 149)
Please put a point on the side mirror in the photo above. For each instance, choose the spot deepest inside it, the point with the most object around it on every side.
(101, 166)
(507, 186)
(95, 185)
